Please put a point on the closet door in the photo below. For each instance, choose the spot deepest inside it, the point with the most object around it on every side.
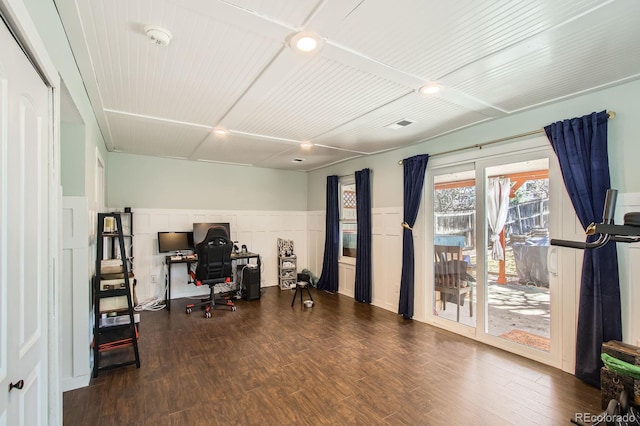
(24, 108)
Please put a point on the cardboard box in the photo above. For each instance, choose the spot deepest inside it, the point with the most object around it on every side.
(117, 303)
(111, 266)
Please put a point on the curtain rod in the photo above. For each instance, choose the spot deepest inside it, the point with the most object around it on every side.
(611, 115)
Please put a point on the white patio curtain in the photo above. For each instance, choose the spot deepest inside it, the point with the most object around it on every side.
(497, 209)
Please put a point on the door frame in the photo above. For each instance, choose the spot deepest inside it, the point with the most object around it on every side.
(19, 22)
(567, 281)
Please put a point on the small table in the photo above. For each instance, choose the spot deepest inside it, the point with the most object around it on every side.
(301, 285)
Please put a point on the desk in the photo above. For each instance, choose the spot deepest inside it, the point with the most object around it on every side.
(172, 260)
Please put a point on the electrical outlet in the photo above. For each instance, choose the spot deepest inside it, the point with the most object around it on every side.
(154, 279)
(638, 342)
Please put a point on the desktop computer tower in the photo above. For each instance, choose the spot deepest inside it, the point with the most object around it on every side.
(250, 280)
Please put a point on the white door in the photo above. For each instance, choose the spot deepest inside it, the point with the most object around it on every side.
(513, 301)
(520, 293)
(24, 245)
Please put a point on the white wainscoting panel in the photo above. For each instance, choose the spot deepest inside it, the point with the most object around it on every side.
(629, 268)
(315, 242)
(386, 257)
(258, 230)
(346, 279)
(75, 294)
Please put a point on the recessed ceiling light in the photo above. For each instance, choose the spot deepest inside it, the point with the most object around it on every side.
(305, 42)
(430, 89)
(306, 145)
(220, 132)
(158, 35)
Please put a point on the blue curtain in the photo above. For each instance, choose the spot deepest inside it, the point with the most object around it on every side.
(581, 147)
(414, 170)
(329, 278)
(363, 253)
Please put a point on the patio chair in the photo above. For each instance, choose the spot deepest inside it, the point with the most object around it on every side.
(451, 277)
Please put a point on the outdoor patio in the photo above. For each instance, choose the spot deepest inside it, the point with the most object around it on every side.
(511, 306)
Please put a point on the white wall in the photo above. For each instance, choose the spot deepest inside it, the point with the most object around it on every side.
(629, 261)
(259, 230)
(315, 241)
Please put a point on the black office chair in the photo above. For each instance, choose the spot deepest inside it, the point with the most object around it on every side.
(214, 267)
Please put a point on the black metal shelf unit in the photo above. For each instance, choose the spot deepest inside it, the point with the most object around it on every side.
(112, 343)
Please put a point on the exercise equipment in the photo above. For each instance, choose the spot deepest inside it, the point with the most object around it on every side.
(606, 230)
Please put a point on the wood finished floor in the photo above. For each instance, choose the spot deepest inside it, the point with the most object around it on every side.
(338, 363)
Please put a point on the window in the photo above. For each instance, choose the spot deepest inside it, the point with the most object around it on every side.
(348, 218)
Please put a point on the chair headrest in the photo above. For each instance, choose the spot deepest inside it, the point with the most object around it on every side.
(216, 231)
(214, 238)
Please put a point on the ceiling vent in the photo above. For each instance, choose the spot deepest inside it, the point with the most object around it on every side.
(400, 124)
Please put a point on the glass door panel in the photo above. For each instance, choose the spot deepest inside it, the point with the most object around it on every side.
(454, 280)
(497, 210)
(517, 298)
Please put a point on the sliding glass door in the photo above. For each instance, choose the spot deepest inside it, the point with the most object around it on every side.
(492, 275)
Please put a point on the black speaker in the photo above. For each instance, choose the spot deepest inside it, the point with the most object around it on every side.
(251, 281)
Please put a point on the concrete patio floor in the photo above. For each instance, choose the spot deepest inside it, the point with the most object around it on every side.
(512, 306)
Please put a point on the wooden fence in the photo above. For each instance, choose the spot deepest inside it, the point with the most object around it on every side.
(523, 218)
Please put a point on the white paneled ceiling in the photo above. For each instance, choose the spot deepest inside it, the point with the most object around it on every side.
(229, 65)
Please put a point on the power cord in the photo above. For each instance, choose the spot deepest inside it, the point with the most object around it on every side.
(153, 303)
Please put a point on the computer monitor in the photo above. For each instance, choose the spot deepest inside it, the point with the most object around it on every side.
(200, 230)
(175, 241)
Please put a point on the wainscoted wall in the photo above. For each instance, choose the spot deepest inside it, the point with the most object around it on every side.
(386, 258)
(629, 269)
(315, 241)
(75, 291)
(258, 230)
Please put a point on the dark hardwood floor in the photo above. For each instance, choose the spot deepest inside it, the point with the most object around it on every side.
(337, 363)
